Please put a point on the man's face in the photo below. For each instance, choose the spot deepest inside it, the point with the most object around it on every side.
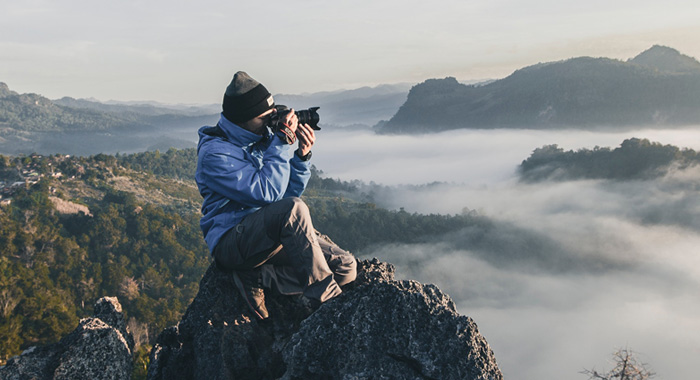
(258, 123)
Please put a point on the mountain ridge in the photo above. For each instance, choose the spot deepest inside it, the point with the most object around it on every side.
(31, 123)
(581, 92)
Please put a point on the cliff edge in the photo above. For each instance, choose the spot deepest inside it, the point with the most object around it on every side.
(378, 328)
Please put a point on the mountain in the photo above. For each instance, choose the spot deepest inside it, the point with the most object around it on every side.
(659, 87)
(362, 106)
(31, 123)
(35, 113)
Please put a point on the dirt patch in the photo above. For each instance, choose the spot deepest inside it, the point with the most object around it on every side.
(66, 207)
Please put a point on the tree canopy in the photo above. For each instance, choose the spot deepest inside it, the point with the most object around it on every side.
(633, 159)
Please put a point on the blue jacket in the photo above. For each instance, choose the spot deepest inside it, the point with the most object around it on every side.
(239, 171)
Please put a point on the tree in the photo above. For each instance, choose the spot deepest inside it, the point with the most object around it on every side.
(627, 367)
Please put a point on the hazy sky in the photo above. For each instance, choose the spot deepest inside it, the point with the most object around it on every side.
(176, 51)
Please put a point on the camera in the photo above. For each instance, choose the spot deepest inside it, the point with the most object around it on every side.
(309, 116)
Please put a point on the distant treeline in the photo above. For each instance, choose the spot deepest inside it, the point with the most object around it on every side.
(633, 159)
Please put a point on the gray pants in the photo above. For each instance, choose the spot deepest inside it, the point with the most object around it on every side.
(293, 258)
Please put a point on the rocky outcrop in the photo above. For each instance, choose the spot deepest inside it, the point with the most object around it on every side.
(99, 348)
(379, 328)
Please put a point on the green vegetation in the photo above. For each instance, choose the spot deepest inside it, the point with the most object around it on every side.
(175, 163)
(53, 267)
(356, 226)
(140, 240)
(633, 159)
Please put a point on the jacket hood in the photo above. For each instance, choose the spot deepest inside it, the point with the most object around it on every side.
(229, 131)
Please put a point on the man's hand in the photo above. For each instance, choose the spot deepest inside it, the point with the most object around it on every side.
(290, 124)
(307, 137)
(291, 120)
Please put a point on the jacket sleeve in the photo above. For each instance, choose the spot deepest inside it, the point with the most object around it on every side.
(300, 172)
(232, 174)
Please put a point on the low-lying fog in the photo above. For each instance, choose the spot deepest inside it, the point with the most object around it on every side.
(570, 271)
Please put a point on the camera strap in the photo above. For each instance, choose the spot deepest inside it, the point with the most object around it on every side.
(287, 135)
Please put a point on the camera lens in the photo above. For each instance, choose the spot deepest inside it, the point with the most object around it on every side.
(309, 117)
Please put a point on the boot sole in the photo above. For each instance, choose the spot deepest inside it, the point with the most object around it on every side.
(241, 289)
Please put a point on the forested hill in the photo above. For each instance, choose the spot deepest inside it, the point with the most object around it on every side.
(35, 113)
(659, 87)
(74, 229)
(633, 159)
(22, 113)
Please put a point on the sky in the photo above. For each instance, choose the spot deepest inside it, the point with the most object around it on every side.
(186, 52)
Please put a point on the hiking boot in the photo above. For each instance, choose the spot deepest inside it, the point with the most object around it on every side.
(248, 283)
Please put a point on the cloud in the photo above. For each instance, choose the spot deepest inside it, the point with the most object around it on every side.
(558, 274)
(474, 157)
(552, 323)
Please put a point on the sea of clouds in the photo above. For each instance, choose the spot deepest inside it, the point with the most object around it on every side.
(566, 272)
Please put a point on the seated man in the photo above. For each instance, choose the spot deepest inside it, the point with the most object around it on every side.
(254, 222)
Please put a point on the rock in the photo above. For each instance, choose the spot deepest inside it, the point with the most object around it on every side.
(99, 348)
(379, 328)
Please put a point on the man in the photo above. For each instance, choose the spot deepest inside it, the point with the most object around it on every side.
(254, 222)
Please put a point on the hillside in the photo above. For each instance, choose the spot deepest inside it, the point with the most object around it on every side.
(659, 87)
(31, 123)
(35, 113)
(74, 229)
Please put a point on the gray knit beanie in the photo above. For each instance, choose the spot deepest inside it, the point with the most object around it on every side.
(245, 98)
